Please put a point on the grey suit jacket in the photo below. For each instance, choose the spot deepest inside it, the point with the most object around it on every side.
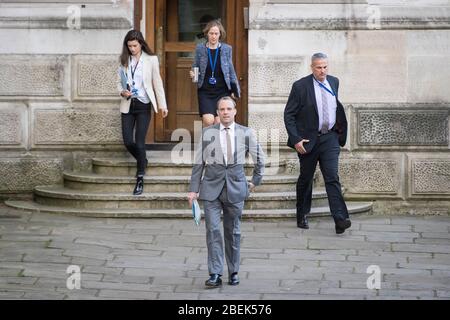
(209, 156)
(226, 63)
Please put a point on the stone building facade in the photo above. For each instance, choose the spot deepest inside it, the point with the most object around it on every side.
(58, 100)
(58, 105)
(393, 62)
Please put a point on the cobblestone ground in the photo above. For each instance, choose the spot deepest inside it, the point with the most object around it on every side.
(166, 258)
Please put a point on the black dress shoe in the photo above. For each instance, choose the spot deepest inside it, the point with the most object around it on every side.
(139, 188)
(302, 223)
(234, 279)
(214, 281)
(341, 225)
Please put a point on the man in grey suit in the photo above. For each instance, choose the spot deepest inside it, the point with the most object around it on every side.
(224, 187)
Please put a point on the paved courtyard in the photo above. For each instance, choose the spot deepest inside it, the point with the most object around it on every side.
(166, 259)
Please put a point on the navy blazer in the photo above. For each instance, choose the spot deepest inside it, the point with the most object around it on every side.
(301, 117)
(226, 63)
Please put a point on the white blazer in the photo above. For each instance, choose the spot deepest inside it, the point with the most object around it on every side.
(153, 84)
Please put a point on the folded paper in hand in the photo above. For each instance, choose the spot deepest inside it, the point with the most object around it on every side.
(196, 213)
(124, 79)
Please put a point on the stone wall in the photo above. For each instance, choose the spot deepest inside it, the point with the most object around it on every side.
(58, 100)
(392, 59)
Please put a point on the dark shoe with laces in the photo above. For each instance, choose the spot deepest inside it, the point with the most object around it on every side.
(139, 188)
(302, 223)
(214, 281)
(234, 279)
(341, 225)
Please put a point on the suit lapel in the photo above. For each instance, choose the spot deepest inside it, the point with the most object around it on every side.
(212, 145)
(311, 92)
(334, 88)
(332, 85)
(146, 66)
(240, 144)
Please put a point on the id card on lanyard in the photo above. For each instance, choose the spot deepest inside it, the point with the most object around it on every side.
(212, 80)
(134, 91)
(324, 87)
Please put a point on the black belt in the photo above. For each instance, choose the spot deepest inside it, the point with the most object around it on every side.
(322, 134)
(136, 100)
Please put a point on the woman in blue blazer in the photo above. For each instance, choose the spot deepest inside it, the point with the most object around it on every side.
(217, 77)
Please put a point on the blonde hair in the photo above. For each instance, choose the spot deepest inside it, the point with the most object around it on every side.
(215, 23)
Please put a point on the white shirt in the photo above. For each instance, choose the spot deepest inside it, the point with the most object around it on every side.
(331, 101)
(223, 139)
(138, 79)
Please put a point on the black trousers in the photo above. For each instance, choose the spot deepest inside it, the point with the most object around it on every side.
(134, 129)
(326, 152)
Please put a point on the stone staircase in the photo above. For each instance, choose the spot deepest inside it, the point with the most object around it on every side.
(106, 191)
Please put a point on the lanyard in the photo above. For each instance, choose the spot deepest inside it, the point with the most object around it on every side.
(133, 71)
(323, 86)
(213, 65)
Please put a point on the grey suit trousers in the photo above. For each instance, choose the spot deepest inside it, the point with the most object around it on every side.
(232, 213)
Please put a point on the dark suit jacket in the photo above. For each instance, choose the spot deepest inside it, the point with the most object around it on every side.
(301, 117)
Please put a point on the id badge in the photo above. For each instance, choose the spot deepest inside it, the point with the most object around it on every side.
(212, 81)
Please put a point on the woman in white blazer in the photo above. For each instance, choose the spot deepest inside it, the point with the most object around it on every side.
(141, 88)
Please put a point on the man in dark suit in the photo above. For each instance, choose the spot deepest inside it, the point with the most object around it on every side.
(218, 178)
(316, 125)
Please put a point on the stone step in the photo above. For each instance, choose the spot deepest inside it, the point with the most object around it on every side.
(106, 183)
(353, 208)
(163, 166)
(60, 196)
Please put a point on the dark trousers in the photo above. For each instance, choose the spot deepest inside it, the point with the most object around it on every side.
(134, 129)
(326, 152)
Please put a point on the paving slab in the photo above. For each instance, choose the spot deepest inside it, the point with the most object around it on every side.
(160, 259)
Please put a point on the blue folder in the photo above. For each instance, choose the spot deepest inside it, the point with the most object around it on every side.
(196, 213)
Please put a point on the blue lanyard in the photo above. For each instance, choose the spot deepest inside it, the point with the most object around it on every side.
(213, 65)
(133, 71)
(323, 86)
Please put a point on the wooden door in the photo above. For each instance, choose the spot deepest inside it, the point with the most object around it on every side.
(173, 30)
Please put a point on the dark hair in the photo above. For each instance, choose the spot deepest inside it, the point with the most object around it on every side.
(130, 36)
(226, 98)
(215, 23)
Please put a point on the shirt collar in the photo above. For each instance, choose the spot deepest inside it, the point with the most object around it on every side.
(140, 58)
(218, 45)
(325, 82)
(231, 126)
